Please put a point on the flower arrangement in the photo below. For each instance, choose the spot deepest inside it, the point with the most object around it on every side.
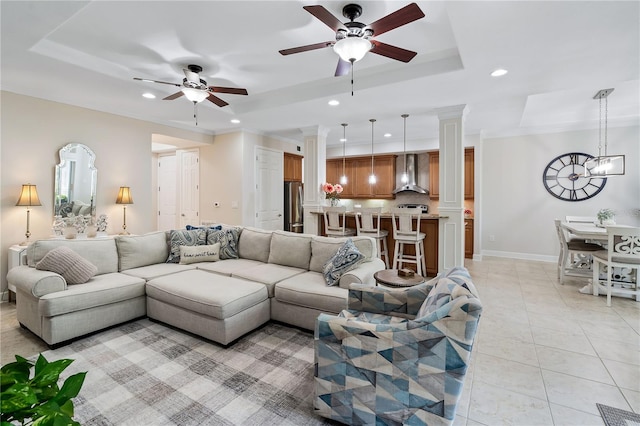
(332, 192)
(467, 212)
(605, 215)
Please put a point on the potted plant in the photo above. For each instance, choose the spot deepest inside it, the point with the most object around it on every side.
(606, 217)
(37, 399)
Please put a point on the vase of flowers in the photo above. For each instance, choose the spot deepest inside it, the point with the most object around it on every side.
(332, 193)
(606, 217)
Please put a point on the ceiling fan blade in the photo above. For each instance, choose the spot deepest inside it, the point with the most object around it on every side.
(174, 96)
(325, 16)
(191, 76)
(392, 52)
(216, 100)
(343, 68)
(400, 17)
(232, 90)
(156, 81)
(306, 48)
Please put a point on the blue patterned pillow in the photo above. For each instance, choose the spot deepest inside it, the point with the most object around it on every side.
(182, 237)
(228, 239)
(216, 228)
(346, 258)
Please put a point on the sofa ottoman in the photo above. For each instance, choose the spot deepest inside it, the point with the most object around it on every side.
(213, 306)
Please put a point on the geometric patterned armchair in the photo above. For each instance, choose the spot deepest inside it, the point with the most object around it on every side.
(397, 356)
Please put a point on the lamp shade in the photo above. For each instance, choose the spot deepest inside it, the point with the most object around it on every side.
(195, 95)
(28, 196)
(352, 49)
(124, 196)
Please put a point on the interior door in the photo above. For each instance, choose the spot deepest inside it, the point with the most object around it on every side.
(167, 180)
(269, 200)
(188, 186)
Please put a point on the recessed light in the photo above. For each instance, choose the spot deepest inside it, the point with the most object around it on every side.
(149, 95)
(343, 140)
(235, 121)
(499, 72)
(334, 102)
(387, 135)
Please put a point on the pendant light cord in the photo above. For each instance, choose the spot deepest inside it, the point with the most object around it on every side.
(404, 142)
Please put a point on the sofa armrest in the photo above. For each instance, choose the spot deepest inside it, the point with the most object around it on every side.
(362, 274)
(390, 301)
(36, 282)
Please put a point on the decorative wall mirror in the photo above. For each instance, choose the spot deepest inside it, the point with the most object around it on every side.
(75, 182)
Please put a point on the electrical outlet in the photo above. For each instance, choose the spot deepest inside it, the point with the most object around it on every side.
(492, 237)
(216, 204)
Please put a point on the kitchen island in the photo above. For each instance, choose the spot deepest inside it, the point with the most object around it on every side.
(428, 225)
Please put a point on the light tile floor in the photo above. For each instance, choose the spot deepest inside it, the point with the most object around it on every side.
(545, 354)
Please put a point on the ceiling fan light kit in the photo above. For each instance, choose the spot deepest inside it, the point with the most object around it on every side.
(352, 49)
(604, 165)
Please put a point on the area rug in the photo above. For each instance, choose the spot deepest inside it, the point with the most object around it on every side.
(616, 417)
(145, 373)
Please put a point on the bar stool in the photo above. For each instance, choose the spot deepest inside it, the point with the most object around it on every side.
(366, 226)
(405, 233)
(334, 226)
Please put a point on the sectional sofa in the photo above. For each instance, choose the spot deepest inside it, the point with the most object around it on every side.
(262, 275)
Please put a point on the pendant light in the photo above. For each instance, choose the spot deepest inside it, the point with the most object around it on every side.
(372, 176)
(343, 178)
(604, 165)
(405, 176)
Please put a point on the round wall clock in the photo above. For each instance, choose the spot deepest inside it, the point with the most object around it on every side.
(564, 178)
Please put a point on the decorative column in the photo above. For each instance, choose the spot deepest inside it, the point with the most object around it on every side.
(315, 172)
(451, 229)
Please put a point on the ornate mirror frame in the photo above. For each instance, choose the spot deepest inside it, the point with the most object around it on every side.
(76, 180)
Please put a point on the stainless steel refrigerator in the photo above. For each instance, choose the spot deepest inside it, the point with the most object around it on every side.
(293, 218)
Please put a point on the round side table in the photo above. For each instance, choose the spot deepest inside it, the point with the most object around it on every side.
(390, 278)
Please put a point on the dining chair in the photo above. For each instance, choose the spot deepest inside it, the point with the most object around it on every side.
(623, 251)
(368, 225)
(578, 219)
(579, 251)
(404, 232)
(335, 222)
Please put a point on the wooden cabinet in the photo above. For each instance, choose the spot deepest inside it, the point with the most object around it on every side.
(434, 174)
(292, 167)
(358, 170)
(468, 238)
(468, 173)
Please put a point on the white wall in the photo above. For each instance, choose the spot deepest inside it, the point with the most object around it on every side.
(517, 209)
(34, 130)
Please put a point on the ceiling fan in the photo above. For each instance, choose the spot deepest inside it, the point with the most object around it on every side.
(195, 89)
(355, 39)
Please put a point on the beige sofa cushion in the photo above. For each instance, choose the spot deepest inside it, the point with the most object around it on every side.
(227, 267)
(311, 291)
(268, 274)
(323, 248)
(254, 244)
(135, 251)
(290, 249)
(101, 252)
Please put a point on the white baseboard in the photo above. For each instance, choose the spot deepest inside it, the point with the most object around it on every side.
(521, 256)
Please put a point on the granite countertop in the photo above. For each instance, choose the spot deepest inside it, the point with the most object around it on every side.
(387, 215)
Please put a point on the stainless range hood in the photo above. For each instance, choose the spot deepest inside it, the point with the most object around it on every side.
(412, 173)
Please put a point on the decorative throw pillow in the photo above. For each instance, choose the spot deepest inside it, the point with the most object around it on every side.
(216, 228)
(228, 239)
(346, 258)
(182, 237)
(74, 268)
(192, 254)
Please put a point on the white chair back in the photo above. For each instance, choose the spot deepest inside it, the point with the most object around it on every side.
(580, 219)
(403, 223)
(624, 244)
(335, 221)
(368, 220)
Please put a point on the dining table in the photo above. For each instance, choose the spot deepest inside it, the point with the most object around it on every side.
(596, 234)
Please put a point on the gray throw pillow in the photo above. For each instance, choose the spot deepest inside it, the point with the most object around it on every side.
(74, 268)
(182, 237)
(228, 239)
(346, 258)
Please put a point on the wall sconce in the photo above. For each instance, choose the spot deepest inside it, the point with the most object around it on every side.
(124, 197)
(28, 198)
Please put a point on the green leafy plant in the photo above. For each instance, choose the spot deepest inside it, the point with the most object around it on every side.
(37, 400)
(605, 214)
